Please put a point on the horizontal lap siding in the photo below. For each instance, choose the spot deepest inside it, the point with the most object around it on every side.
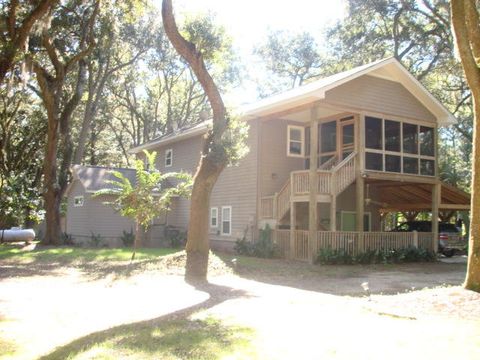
(186, 155)
(237, 187)
(275, 165)
(374, 94)
(95, 217)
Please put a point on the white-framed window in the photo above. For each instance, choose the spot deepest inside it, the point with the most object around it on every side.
(213, 217)
(168, 157)
(78, 201)
(295, 141)
(226, 220)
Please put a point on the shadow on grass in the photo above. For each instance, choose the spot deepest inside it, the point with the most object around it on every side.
(174, 335)
(346, 279)
(21, 261)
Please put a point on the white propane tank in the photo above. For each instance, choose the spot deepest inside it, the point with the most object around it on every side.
(17, 234)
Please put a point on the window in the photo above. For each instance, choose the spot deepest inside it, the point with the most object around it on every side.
(78, 201)
(328, 137)
(427, 167)
(373, 133)
(374, 161)
(392, 135)
(427, 141)
(214, 217)
(393, 163)
(296, 141)
(410, 165)
(226, 220)
(168, 157)
(410, 138)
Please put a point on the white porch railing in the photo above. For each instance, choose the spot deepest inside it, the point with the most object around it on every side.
(351, 241)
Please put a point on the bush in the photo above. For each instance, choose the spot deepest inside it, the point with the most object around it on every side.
(96, 240)
(330, 256)
(263, 248)
(176, 238)
(67, 239)
(128, 237)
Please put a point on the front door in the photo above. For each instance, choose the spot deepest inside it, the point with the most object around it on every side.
(347, 137)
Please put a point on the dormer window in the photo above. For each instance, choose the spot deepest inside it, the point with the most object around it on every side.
(295, 141)
(168, 157)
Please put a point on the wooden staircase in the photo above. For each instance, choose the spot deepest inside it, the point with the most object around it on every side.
(332, 179)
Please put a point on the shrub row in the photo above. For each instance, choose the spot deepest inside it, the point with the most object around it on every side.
(330, 256)
(263, 248)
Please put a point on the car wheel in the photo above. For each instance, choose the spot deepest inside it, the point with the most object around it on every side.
(448, 252)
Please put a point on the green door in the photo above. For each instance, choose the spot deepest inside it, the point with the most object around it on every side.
(349, 221)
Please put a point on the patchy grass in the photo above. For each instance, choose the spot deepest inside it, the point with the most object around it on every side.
(175, 339)
(68, 255)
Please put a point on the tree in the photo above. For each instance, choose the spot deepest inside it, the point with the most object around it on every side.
(148, 198)
(19, 18)
(223, 143)
(22, 140)
(290, 60)
(466, 26)
(60, 94)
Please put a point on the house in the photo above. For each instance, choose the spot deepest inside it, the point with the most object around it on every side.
(90, 216)
(327, 161)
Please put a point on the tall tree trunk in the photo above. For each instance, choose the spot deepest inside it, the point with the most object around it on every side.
(52, 203)
(466, 25)
(213, 158)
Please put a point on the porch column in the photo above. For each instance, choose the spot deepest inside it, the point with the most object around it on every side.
(312, 203)
(360, 202)
(333, 213)
(293, 225)
(435, 205)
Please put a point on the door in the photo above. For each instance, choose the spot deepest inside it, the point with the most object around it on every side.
(349, 221)
(347, 138)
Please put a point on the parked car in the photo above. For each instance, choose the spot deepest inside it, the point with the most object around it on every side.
(450, 239)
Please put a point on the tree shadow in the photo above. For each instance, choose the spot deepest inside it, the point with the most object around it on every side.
(346, 280)
(174, 333)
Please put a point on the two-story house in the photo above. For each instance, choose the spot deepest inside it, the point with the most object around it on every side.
(327, 161)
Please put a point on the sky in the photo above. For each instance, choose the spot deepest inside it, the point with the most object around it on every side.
(249, 21)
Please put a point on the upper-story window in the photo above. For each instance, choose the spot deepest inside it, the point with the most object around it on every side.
(168, 157)
(399, 147)
(78, 201)
(296, 141)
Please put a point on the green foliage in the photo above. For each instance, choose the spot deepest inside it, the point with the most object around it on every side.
(127, 238)
(67, 239)
(290, 60)
(147, 198)
(176, 238)
(234, 140)
(96, 240)
(263, 248)
(328, 256)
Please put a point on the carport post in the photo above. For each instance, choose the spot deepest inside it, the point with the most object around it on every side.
(435, 208)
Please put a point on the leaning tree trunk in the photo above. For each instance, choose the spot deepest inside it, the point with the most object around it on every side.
(466, 24)
(213, 158)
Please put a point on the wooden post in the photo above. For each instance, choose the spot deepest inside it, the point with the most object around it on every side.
(415, 238)
(313, 178)
(293, 221)
(435, 205)
(333, 213)
(360, 210)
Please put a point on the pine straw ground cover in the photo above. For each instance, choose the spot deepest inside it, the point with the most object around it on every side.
(251, 309)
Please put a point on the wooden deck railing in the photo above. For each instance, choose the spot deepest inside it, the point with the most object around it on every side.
(351, 241)
(343, 174)
(283, 200)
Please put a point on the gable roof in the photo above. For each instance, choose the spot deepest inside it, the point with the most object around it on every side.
(94, 178)
(389, 68)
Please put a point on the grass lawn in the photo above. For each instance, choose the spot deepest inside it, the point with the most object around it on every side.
(76, 303)
(175, 339)
(67, 255)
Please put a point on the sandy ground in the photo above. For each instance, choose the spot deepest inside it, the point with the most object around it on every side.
(298, 311)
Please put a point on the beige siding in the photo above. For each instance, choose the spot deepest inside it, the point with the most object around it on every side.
(236, 186)
(369, 93)
(94, 217)
(275, 165)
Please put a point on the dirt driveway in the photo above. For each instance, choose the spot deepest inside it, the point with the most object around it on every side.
(297, 310)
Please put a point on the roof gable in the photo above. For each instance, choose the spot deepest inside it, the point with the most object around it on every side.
(95, 178)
